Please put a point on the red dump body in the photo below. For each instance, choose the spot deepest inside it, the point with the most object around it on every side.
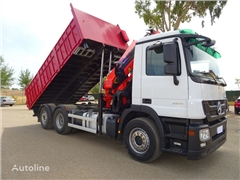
(73, 66)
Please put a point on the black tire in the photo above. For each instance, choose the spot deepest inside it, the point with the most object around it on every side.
(45, 117)
(60, 119)
(142, 139)
(11, 105)
(235, 111)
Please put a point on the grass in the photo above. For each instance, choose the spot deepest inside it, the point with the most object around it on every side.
(18, 95)
(231, 103)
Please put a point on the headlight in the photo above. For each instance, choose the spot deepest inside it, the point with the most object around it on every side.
(204, 135)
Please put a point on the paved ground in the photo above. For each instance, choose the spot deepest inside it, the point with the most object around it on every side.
(30, 152)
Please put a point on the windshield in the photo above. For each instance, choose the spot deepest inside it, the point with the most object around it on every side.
(201, 61)
(204, 61)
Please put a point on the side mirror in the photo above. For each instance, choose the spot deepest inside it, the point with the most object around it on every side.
(170, 56)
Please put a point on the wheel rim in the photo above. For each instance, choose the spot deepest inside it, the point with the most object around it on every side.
(44, 117)
(139, 140)
(59, 121)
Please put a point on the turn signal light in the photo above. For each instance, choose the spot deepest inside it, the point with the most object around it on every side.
(191, 133)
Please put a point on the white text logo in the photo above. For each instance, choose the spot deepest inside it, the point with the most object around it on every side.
(33, 168)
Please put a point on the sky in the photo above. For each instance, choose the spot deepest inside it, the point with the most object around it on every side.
(29, 29)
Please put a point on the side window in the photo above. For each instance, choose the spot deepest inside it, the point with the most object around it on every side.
(154, 62)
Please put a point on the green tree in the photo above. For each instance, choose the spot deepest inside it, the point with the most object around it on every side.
(25, 78)
(7, 72)
(95, 89)
(165, 15)
(237, 81)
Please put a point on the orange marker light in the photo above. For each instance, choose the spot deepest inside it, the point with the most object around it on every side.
(118, 120)
(191, 133)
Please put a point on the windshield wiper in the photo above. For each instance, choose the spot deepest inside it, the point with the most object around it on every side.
(224, 82)
(210, 74)
(215, 77)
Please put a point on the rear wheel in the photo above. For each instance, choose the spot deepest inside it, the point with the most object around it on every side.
(60, 118)
(45, 117)
(142, 139)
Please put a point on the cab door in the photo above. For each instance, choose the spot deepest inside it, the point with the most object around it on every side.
(158, 89)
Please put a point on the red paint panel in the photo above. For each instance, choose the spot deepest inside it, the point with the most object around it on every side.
(61, 52)
(98, 30)
(83, 26)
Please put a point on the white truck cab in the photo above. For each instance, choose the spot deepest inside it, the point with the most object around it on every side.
(176, 76)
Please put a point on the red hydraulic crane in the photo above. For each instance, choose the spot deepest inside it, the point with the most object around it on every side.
(118, 83)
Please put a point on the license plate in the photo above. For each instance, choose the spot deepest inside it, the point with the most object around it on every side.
(220, 129)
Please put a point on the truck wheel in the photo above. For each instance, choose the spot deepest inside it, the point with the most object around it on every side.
(142, 139)
(60, 118)
(45, 118)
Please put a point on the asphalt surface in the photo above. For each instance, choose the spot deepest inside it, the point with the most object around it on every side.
(30, 152)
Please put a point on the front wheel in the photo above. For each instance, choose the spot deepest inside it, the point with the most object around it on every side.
(142, 139)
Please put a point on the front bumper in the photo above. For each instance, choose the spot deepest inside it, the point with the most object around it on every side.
(218, 138)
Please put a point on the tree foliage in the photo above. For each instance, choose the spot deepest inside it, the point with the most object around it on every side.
(25, 78)
(7, 72)
(237, 81)
(165, 15)
(95, 89)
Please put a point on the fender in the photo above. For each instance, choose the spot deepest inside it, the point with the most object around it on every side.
(66, 107)
(141, 109)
